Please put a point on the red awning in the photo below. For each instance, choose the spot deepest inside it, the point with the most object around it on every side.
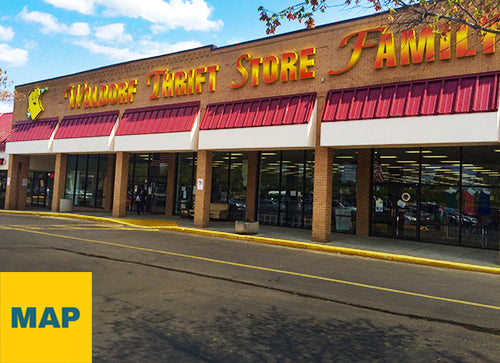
(465, 94)
(158, 119)
(285, 110)
(5, 127)
(88, 125)
(33, 130)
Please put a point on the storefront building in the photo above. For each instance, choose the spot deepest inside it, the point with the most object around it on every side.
(5, 131)
(350, 127)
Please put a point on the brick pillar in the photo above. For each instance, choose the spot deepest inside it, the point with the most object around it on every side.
(120, 190)
(171, 184)
(17, 189)
(108, 183)
(363, 192)
(59, 180)
(322, 200)
(252, 183)
(202, 200)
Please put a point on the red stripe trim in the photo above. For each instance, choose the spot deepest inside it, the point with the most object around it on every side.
(33, 130)
(463, 94)
(87, 125)
(285, 110)
(178, 117)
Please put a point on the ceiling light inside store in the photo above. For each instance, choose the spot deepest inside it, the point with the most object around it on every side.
(418, 151)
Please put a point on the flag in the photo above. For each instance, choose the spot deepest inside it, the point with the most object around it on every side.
(378, 174)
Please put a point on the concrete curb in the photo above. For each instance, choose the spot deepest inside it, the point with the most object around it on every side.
(173, 227)
(94, 219)
(340, 250)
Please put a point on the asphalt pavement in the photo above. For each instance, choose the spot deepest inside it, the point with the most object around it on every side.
(441, 255)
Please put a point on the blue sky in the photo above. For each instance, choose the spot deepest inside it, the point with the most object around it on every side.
(41, 39)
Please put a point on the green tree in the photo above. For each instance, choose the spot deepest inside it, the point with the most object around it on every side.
(481, 15)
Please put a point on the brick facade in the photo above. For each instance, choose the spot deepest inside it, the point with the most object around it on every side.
(17, 182)
(120, 188)
(318, 57)
(59, 181)
(203, 189)
(322, 211)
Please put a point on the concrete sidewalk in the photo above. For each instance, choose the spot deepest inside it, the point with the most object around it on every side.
(447, 256)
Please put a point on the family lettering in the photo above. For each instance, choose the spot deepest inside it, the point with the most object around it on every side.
(414, 49)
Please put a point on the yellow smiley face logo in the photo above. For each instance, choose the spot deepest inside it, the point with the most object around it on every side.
(35, 107)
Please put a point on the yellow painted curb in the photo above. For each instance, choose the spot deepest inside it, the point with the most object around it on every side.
(155, 224)
(340, 250)
(173, 226)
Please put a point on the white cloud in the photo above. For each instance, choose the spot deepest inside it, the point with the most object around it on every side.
(50, 24)
(31, 45)
(80, 29)
(146, 49)
(6, 33)
(14, 57)
(152, 48)
(187, 14)
(82, 6)
(113, 53)
(113, 33)
(6, 107)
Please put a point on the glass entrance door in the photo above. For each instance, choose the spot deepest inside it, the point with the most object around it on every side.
(395, 211)
(148, 172)
(40, 185)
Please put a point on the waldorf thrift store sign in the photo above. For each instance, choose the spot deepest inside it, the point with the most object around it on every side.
(414, 48)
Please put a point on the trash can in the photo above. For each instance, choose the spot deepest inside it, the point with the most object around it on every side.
(66, 205)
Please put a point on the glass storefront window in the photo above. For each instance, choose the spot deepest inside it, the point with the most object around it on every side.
(444, 194)
(3, 187)
(229, 178)
(85, 176)
(308, 189)
(269, 187)
(101, 180)
(69, 191)
(481, 196)
(81, 180)
(238, 176)
(292, 189)
(286, 187)
(92, 176)
(220, 178)
(440, 191)
(186, 175)
(344, 191)
(395, 187)
(148, 172)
